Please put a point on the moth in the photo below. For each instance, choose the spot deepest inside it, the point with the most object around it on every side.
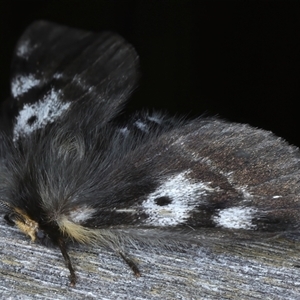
(73, 170)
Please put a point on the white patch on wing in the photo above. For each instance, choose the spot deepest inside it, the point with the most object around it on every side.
(184, 194)
(125, 131)
(141, 126)
(236, 218)
(126, 210)
(25, 49)
(21, 84)
(155, 119)
(44, 112)
(58, 75)
(81, 214)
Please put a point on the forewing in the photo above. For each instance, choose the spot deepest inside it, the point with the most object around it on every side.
(55, 66)
(206, 173)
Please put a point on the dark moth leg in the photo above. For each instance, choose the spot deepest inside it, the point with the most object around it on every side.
(63, 249)
(130, 263)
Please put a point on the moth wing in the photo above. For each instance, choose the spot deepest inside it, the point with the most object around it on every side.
(204, 174)
(55, 66)
(252, 176)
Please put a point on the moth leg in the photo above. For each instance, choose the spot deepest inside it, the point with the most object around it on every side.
(130, 263)
(8, 219)
(63, 249)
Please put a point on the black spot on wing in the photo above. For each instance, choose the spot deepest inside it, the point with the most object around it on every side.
(31, 120)
(163, 201)
(80, 65)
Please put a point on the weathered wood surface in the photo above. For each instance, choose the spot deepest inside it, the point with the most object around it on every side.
(252, 269)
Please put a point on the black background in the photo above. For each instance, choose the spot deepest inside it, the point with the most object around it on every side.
(236, 59)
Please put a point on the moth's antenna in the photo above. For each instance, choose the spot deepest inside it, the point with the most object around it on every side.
(63, 249)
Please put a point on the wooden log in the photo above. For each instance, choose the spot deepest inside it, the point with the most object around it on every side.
(223, 268)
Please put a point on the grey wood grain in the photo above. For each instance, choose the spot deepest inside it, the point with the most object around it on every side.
(248, 269)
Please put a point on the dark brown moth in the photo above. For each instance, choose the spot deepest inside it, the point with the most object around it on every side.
(72, 172)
